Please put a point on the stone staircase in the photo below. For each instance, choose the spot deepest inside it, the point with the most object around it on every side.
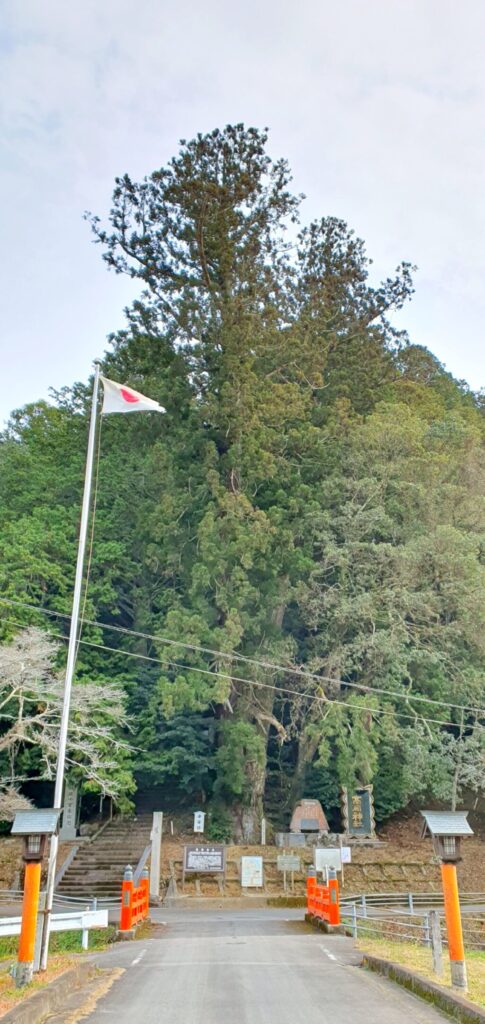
(98, 866)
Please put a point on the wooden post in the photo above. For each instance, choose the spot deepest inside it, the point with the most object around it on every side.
(436, 942)
(30, 908)
(456, 949)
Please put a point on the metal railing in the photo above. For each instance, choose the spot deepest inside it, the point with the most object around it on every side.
(11, 897)
(378, 919)
(99, 901)
(412, 899)
(142, 863)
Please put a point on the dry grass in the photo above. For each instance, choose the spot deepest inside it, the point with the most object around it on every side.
(418, 958)
(11, 996)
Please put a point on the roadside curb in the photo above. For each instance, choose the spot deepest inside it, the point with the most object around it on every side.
(182, 902)
(324, 926)
(51, 998)
(129, 934)
(454, 1005)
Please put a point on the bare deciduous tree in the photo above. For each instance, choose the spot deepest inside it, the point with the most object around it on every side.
(31, 693)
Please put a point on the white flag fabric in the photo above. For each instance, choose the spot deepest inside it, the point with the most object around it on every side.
(121, 398)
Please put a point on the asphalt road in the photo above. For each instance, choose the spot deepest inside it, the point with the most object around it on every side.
(248, 967)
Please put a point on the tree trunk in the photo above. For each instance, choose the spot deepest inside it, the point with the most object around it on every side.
(454, 788)
(307, 748)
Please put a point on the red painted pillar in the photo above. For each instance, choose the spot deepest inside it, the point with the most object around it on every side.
(333, 901)
(311, 886)
(25, 966)
(456, 948)
(126, 917)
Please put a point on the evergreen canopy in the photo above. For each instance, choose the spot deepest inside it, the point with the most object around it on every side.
(305, 526)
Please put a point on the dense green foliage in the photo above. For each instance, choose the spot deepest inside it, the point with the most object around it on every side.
(313, 502)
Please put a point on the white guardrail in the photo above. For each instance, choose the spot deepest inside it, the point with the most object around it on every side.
(76, 920)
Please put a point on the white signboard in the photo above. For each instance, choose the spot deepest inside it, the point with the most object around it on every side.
(327, 857)
(288, 862)
(346, 852)
(251, 872)
(199, 818)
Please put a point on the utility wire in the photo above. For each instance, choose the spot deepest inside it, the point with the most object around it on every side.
(256, 683)
(252, 661)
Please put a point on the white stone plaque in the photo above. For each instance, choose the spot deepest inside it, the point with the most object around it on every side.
(69, 815)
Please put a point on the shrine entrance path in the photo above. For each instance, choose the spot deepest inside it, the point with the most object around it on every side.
(248, 967)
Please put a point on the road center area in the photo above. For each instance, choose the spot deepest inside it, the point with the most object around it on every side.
(249, 967)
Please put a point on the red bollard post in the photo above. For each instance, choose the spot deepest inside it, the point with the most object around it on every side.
(311, 886)
(333, 901)
(126, 917)
(319, 901)
(145, 885)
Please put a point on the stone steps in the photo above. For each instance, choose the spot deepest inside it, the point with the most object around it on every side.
(98, 867)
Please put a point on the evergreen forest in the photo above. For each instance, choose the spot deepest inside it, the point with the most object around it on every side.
(286, 574)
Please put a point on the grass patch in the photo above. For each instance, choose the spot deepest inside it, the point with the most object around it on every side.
(62, 942)
(146, 929)
(418, 958)
(11, 996)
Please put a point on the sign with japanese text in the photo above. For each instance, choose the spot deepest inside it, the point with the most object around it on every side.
(288, 862)
(208, 860)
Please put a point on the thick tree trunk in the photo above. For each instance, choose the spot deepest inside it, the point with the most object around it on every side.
(307, 748)
(248, 820)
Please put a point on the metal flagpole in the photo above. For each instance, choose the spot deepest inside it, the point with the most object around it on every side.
(71, 662)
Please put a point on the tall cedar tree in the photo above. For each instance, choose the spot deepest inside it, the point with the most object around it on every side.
(297, 505)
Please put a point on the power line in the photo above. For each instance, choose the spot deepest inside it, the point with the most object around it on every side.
(365, 687)
(252, 682)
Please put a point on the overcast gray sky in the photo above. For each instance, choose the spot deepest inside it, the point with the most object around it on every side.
(378, 106)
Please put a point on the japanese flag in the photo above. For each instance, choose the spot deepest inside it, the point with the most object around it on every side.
(120, 398)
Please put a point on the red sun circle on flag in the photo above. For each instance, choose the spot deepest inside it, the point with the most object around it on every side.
(128, 395)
